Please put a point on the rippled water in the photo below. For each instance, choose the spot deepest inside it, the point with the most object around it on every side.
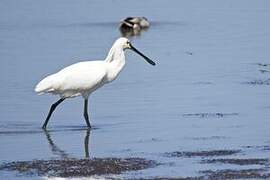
(200, 96)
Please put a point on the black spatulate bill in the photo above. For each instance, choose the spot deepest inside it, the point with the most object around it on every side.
(141, 54)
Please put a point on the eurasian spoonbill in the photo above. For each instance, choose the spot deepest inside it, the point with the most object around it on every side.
(83, 78)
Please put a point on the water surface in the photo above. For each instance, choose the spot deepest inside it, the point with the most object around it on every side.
(199, 97)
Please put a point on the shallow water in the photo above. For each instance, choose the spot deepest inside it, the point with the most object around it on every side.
(200, 96)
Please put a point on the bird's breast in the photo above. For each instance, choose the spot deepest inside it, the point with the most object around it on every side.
(114, 69)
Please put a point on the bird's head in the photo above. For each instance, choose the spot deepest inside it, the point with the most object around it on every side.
(124, 43)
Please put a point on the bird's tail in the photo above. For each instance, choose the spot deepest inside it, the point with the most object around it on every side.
(45, 85)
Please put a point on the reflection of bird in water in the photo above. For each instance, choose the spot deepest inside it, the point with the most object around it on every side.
(133, 26)
(86, 143)
(57, 151)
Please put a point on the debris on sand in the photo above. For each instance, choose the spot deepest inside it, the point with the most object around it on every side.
(202, 153)
(78, 167)
(241, 162)
(209, 115)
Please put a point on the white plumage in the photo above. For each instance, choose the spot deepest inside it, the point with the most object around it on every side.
(78, 79)
(85, 77)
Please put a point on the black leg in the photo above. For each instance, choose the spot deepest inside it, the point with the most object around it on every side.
(85, 113)
(51, 111)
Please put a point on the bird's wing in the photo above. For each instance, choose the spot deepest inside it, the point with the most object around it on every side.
(82, 76)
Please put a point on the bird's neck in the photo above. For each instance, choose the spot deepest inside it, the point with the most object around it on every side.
(114, 54)
(116, 62)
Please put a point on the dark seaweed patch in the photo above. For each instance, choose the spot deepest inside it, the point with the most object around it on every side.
(263, 64)
(225, 174)
(189, 53)
(236, 174)
(209, 138)
(202, 153)
(264, 71)
(259, 82)
(263, 147)
(79, 167)
(210, 115)
(203, 83)
(250, 161)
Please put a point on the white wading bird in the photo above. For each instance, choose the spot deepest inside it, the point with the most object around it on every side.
(83, 78)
